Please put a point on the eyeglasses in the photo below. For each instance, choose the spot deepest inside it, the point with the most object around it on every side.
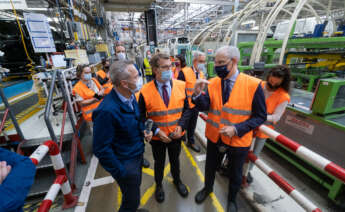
(222, 62)
(165, 67)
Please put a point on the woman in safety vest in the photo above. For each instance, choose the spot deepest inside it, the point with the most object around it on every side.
(88, 91)
(276, 90)
(179, 62)
(103, 78)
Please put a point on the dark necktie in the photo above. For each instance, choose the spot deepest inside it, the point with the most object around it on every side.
(197, 75)
(226, 91)
(165, 95)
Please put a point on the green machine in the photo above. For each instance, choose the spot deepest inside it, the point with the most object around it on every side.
(330, 98)
(319, 59)
(210, 66)
(317, 121)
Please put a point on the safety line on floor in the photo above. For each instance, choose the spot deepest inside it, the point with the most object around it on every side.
(23, 116)
(15, 99)
(215, 201)
(149, 192)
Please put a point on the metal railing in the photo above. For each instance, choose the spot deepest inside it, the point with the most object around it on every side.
(9, 112)
(61, 181)
(306, 154)
(57, 79)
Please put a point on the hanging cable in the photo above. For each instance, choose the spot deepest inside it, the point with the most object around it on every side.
(22, 36)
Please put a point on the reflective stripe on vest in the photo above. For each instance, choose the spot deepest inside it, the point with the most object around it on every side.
(166, 124)
(166, 118)
(211, 122)
(215, 112)
(226, 122)
(148, 69)
(167, 112)
(236, 110)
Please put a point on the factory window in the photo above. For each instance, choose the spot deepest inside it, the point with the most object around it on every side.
(339, 100)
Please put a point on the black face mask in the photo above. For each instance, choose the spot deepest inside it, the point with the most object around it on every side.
(222, 71)
(272, 87)
(106, 68)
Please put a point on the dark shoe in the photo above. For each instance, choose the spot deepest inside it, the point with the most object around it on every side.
(142, 210)
(232, 207)
(146, 163)
(182, 189)
(194, 147)
(202, 195)
(159, 194)
(249, 178)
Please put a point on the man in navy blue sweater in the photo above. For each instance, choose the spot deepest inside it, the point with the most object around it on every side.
(118, 140)
(17, 174)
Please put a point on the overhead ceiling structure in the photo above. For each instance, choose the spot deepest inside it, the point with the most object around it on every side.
(127, 5)
(190, 15)
(266, 13)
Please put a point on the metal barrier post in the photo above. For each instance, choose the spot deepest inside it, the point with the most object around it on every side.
(12, 116)
(67, 94)
(61, 181)
(48, 108)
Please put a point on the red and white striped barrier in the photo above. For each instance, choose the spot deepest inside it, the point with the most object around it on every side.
(61, 182)
(55, 156)
(291, 191)
(303, 152)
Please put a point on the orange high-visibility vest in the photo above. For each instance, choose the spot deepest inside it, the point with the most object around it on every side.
(190, 78)
(86, 93)
(175, 72)
(166, 118)
(107, 86)
(277, 97)
(102, 74)
(237, 109)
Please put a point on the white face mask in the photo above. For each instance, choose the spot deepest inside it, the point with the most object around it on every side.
(201, 67)
(121, 56)
(138, 86)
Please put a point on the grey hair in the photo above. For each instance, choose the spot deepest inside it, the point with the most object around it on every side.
(197, 54)
(231, 52)
(119, 71)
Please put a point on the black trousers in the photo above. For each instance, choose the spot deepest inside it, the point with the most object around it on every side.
(192, 125)
(130, 184)
(237, 157)
(159, 149)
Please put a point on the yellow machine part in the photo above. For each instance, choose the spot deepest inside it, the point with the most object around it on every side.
(332, 61)
(42, 98)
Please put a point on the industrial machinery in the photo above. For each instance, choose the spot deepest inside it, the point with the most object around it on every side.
(317, 121)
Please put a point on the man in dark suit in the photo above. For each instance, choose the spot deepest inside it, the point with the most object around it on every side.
(235, 103)
(119, 134)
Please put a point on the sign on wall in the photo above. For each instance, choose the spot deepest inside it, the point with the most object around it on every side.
(40, 33)
(18, 4)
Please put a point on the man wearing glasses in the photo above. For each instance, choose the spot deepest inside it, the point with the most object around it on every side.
(164, 101)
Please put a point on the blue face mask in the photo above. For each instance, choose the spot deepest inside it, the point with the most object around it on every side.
(202, 67)
(88, 76)
(166, 75)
